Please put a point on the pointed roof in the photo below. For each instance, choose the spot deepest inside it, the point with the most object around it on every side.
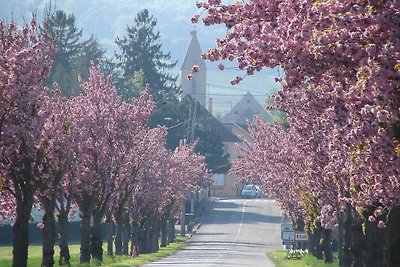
(245, 110)
(225, 134)
(193, 54)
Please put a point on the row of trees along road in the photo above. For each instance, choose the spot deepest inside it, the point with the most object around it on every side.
(337, 165)
(84, 144)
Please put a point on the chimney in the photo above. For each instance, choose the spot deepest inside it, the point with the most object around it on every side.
(210, 105)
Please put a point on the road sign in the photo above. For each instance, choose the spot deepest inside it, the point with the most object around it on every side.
(286, 227)
(300, 236)
(287, 235)
(287, 243)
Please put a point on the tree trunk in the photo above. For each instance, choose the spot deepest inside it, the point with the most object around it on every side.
(312, 243)
(164, 232)
(96, 242)
(183, 218)
(357, 241)
(340, 239)
(118, 236)
(110, 235)
(326, 245)
(125, 235)
(63, 231)
(375, 244)
(315, 246)
(20, 229)
(152, 236)
(393, 237)
(155, 246)
(347, 221)
(85, 238)
(171, 230)
(142, 239)
(49, 232)
(134, 238)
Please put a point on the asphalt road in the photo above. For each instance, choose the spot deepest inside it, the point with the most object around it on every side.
(233, 232)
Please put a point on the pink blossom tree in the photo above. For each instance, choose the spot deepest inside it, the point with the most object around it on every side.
(101, 123)
(340, 63)
(24, 62)
(55, 141)
(146, 150)
(287, 171)
(166, 180)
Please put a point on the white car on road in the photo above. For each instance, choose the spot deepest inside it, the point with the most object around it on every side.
(251, 191)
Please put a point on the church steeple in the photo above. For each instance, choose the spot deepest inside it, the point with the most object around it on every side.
(197, 86)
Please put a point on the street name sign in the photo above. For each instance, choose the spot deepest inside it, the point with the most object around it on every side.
(300, 236)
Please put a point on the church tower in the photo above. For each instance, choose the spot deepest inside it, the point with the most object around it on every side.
(197, 87)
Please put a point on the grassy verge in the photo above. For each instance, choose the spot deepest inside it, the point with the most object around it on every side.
(35, 256)
(280, 260)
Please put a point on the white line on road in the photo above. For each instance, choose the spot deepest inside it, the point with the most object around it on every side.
(236, 237)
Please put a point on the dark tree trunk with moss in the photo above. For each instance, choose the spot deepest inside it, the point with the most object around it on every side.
(63, 234)
(110, 235)
(49, 232)
(96, 241)
(393, 237)
(327, 245)
(375, 242)
(20, 228)
(357, 241)
(164, 232)
(171, 230)
(125, 234)
(85, 238)
(152, 236)
(340, 238)
(142, 248)
(315, 238)
(347, 221)
(118, 235)
(135, 238)
(312, 243)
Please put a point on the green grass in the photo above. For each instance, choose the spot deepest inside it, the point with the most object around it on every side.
(280, 260)
(35, 256)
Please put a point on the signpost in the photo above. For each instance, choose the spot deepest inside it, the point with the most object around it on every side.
(290, 237)
(287, 234)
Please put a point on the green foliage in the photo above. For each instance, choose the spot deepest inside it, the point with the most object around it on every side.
(135, 85)
(314, 262)
(172, 115)
(90, 53)
(35, 254)
(142, 51)
(61, 28)
(187, 119)
(278, 116)
(73, 56)
(364, 227)
(210, 145)
(280, 260)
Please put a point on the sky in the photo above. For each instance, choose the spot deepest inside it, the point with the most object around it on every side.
(107, 19)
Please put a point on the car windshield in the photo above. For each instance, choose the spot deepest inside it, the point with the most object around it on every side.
(249, 187)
